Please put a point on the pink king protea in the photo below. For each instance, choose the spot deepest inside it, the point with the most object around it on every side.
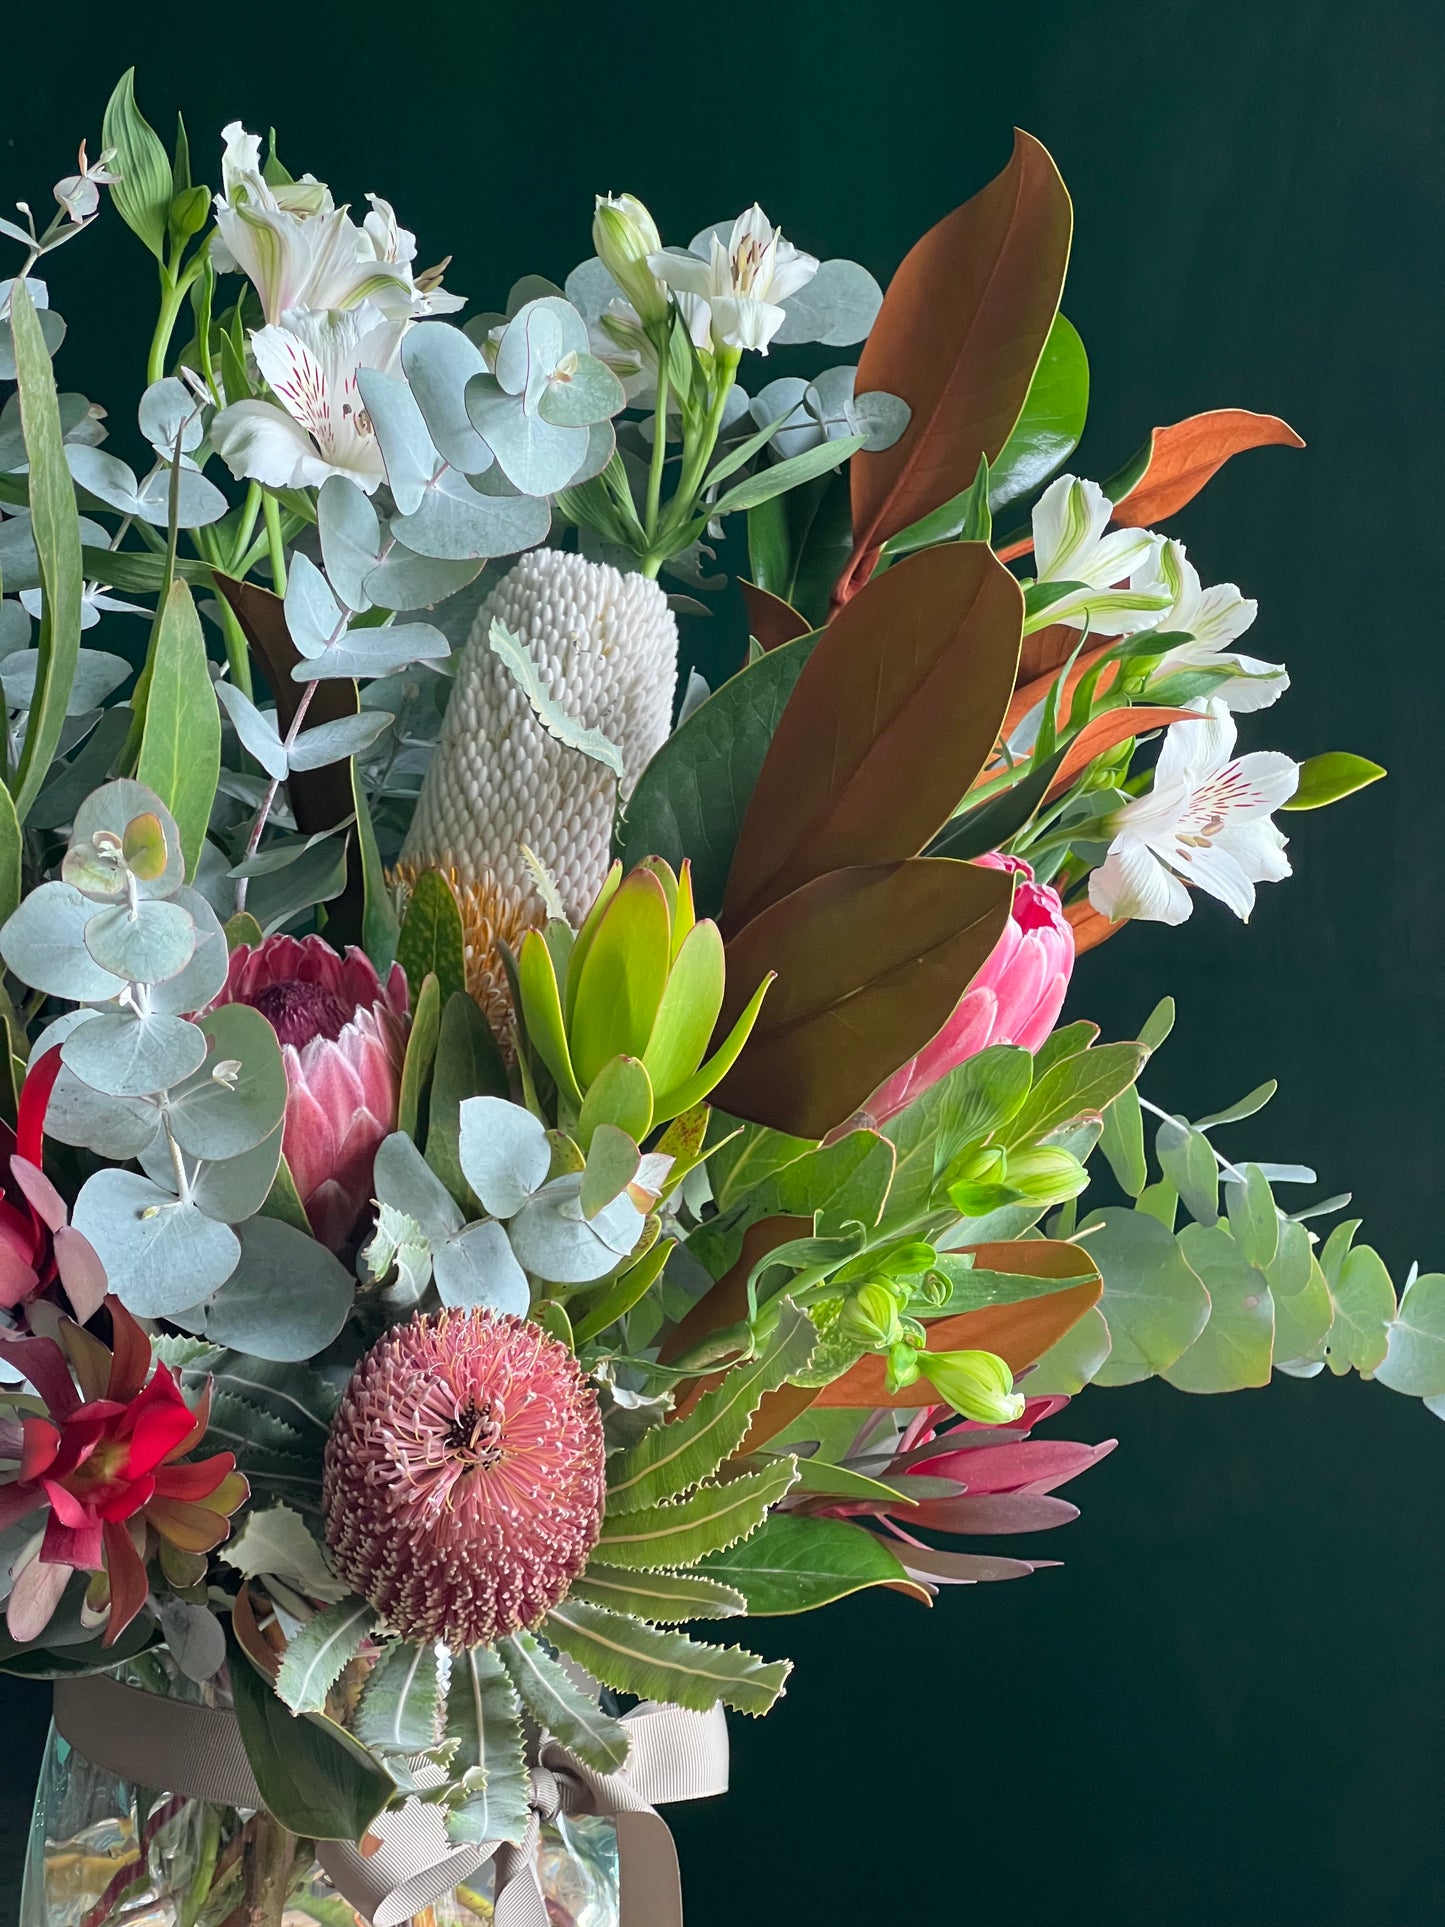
(343, 1038)
(464, 1477)
(1015, 999)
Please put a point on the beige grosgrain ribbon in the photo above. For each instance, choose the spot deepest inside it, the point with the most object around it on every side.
(409, 1862)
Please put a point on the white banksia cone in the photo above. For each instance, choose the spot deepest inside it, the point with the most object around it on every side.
(605, 646)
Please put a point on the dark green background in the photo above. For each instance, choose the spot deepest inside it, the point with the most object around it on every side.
(1227, 1706)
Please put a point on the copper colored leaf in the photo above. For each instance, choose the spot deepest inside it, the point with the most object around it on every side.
(896, 709)
(1106, 732)
(871, 960)
(959, 335)
(1090, 926)
(771, 620)
(1183, 457)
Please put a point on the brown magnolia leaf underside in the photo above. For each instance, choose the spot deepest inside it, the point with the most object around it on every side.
(1090, 926)
(1106, 732)
(959, 336)
(1183, 457)
(321, 798)
(896, 710)
(871, 961)
(771, 621)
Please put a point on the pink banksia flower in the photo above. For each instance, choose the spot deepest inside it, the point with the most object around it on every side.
(343, 1039)
(464, 1477)
(1015, 999)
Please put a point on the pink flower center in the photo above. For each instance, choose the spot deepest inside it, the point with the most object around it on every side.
(298, 1011)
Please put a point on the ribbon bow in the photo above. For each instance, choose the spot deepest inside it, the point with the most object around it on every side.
(409, 1861)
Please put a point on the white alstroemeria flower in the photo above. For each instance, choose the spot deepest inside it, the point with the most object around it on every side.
(302, 251)
(738, 288)
(1214, 618)
(1207, 820)
(311, 363)
(1072, 543)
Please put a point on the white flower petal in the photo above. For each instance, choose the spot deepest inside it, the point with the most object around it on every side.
(1132, 882)
(261, 443)
(1211, 867)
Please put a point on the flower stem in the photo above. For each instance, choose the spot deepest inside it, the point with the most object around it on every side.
(659, 453)
(173, 292)
(271, 510)
(246, 527)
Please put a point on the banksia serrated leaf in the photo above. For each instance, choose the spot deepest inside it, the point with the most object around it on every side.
(562, 1708)
(318, 1652)
(633, 1658)
(662, 1598)
(674, 1457)
(400, 1709)
(679, 1533)
(483, 1723)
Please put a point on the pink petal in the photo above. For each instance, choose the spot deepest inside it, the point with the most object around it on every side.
(36, 1594)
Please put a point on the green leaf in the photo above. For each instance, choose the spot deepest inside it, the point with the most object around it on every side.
(484, 1722)
(778, 477)
(140, 571)
(1302, 1319)
(1048, 430)
(319, 1652)
(683, 1531)
(1253, 1219)
(421, 1049)
(380, 924)
(691, 799)
(567, 730)
(55, 525)
(835, 1183)
(1246, 1107)
(794, 1565)
(1157, 1025)
(662, 1598)
(11, 851)
(1067, 1041)
(973, 1289)
(1414, 1361)
(674, 1457)
(142, 194)
(180, 752)
(1364, 1309)
(468, 1063)
(1122, 1142)
(1073, 1361)
(315, 1777)
(964, 1109)
(1188, 1162)
(1235, 1348)
(668, 1666)
(965, 519)
(1327, 778)
(283, 1200)
(562, 1708)
(400, 1709)
(1080, 1085)
(431, 939)
(1154, 1304)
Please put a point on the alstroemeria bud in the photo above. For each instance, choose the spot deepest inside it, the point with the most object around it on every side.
(624, 234)
(1046, 1175)
(977, 1384)
(871, 1315)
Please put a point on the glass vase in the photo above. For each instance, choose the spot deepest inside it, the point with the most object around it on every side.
(106, 1853)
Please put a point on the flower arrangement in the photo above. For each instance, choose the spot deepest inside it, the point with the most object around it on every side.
(513, 1154)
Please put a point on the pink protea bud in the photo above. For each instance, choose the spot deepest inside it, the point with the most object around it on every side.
(343, 1038)
(464, 1477)
(1015, 999)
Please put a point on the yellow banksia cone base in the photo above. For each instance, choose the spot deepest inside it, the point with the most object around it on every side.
(464, 1477)
(500, 785)
(489, 918)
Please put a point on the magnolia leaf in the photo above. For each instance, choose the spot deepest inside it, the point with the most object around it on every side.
(793, 1565)
(667, 1666)
(899, 704)
(1182, 458)
(959, 336)
(314, 1776)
